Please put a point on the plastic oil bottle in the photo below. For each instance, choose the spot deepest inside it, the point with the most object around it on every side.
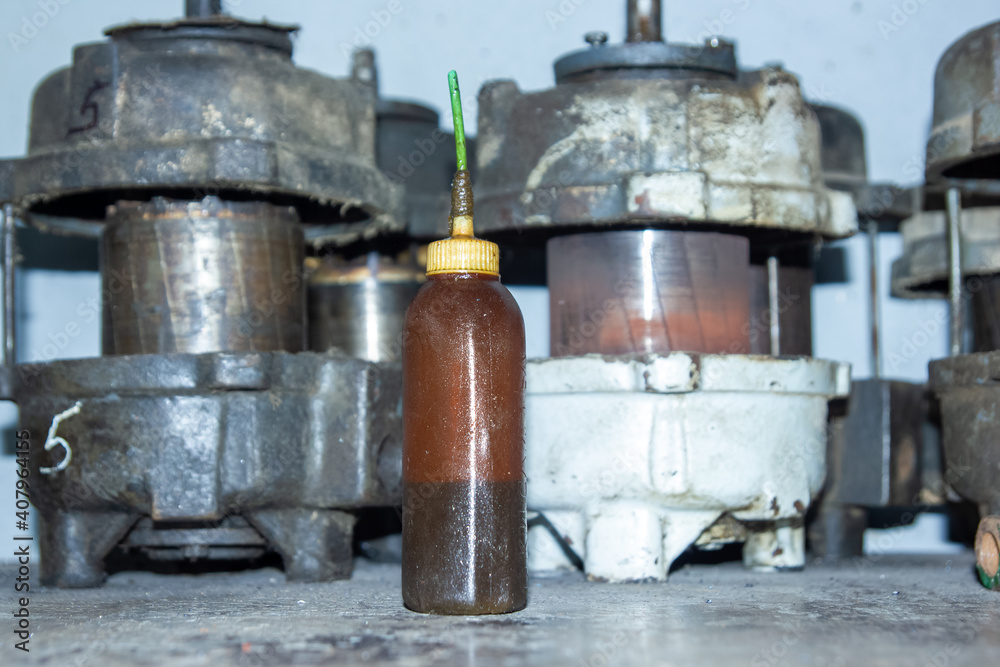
(464, 529)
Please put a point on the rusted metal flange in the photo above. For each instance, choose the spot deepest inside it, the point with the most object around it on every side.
(203, 106)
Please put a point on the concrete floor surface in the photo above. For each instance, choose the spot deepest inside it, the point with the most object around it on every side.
(878, 611)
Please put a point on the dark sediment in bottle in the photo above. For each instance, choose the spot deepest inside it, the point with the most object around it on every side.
(466, 555)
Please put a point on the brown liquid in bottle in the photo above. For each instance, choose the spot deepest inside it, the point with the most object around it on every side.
(464, 529)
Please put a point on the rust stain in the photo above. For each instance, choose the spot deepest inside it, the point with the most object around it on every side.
(642, 201)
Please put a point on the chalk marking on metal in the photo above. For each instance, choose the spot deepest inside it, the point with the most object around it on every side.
(52, 440)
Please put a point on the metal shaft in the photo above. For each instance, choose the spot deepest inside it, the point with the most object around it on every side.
(360, 308)
(773, 306)
(201, 9)
(644, 21)
(8, 253)
(873, 295)
(953, 214)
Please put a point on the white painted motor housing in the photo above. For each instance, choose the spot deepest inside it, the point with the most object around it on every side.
(633, 459)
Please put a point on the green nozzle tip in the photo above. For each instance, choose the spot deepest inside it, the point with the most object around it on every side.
(456, 114)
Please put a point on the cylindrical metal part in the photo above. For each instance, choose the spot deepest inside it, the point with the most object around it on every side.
(873, 285)
(359, 306)
(8, 254)
(794, 307)
(203, 276)
(636, 292)
(774, 321)
(9, 257)
(953, 213)
(644, 21)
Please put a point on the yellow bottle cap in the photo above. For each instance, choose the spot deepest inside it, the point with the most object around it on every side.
(463, 252)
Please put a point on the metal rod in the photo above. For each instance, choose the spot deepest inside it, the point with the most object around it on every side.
(953, 215)
(772, 305)
(644, 21)
(202, 9)
(874, 292)
(8, 255)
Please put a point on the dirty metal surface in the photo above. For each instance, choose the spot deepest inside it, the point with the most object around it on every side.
(632, 458)
(875, 454)
(644, 53)
(874, 450)
(647, 58)
(234, 538)
(202, 276)
(968, 391)
(204, 106)
(844, 168)
(288, 441)
(416, 153)
(922, 269)
(843, 150)
(794, 310)
(651, 291)
(358, 306)
(742, 153)
(985, 315)
(965, 129)
(883, 610)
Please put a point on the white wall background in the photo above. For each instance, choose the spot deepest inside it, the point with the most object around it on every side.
(875, 58)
